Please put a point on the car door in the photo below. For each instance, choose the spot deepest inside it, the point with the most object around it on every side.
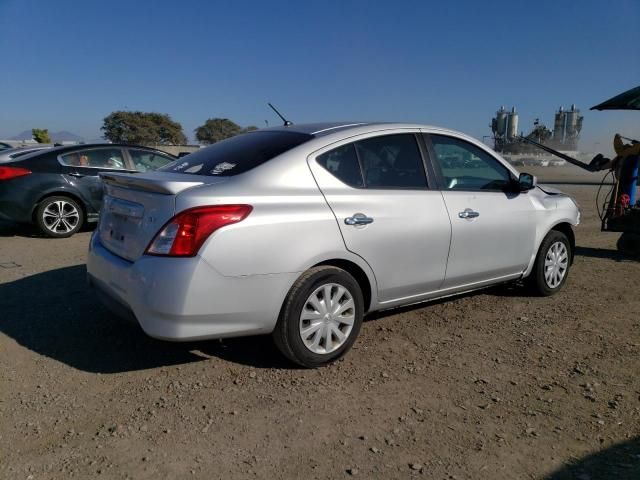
(387, 213)
(493, 225)
(81, 168)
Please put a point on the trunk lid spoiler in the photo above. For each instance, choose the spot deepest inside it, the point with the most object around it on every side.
(163, 183)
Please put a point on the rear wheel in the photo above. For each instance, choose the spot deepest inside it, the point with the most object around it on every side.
(629, 244)
(320, 318)
(59, 216)
(552, 264)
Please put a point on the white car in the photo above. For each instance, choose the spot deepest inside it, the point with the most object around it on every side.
(301, 230)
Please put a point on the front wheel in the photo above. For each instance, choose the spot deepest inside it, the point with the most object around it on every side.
(320, 318)
(59, 217)
(551, 267)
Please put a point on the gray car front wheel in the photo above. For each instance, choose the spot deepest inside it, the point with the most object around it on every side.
(320, 318)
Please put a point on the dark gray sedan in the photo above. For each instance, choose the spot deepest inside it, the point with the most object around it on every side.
(59, 189)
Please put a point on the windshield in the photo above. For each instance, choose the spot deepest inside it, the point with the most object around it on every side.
(238, 154)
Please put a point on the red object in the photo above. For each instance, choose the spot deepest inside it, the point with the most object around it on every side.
(625, 200)
(7, 173)
(189, 229)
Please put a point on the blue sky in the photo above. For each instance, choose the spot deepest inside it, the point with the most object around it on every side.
(68, 64)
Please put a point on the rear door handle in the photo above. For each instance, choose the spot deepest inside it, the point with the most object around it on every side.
(468, 213)
(358, 219)
(76, 174)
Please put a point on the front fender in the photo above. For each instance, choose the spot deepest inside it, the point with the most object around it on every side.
(542, 232)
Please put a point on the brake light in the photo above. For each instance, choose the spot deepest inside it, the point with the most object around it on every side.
(184, 234)
(7, 173)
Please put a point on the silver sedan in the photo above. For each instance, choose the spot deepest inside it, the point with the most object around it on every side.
(299, 231)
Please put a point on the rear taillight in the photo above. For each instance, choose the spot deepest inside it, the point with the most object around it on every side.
(184, 234)
(7, 173)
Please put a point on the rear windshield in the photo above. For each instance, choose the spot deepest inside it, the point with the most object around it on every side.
(237, 154)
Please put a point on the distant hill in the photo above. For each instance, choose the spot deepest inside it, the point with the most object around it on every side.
(26, 135)
(62, 136)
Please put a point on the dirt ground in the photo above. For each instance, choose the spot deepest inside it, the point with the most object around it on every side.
(492, 385)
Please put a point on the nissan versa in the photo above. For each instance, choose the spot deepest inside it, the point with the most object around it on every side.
(300, 230)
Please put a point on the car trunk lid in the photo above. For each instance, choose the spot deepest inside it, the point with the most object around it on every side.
(136, 206)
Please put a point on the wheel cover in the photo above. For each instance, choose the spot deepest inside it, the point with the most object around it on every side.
(556, 263)
(60, 217)
(327, 318)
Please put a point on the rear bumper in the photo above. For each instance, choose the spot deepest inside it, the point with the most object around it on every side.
(185, 298)
(113, 303)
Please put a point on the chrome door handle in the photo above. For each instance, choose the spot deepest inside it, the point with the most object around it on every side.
(468, 213)
(76, 174)
(358, 219)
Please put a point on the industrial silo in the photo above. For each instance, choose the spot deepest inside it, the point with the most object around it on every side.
(512, 124)
(571, 125)
(558, 126)
(501, 122)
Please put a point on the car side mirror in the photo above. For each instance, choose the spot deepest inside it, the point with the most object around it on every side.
(526, 181)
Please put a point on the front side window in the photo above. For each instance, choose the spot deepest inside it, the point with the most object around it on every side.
(145, 161)
(391, 161)
(467, 167)
(238, 154)
(98, 158)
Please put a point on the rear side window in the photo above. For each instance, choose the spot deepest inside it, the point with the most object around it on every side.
(96, 158)
(238, 154)
(342, 162)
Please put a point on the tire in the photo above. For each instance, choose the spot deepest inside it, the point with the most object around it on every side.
(59, 217)
(322, 345)
(555, 249)
(629, 244)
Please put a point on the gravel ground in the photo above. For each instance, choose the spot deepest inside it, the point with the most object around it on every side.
(494, 385)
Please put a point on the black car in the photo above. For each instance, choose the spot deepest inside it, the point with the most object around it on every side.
(59, 189)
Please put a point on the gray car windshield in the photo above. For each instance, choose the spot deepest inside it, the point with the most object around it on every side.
(238, 154)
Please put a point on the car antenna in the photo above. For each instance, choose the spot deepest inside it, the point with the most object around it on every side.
(286, 122)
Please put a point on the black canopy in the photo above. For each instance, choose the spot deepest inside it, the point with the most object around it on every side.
(629, 100)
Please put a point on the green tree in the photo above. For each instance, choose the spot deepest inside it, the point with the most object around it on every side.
(41, 135)
(145, 128)
(216, 129)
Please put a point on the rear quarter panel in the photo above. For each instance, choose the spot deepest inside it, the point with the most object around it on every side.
(290, 229)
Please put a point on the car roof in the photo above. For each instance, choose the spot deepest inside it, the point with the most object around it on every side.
(329, 132)
(84, 146)
(22, 149)
(322, 129)
(60, 150)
